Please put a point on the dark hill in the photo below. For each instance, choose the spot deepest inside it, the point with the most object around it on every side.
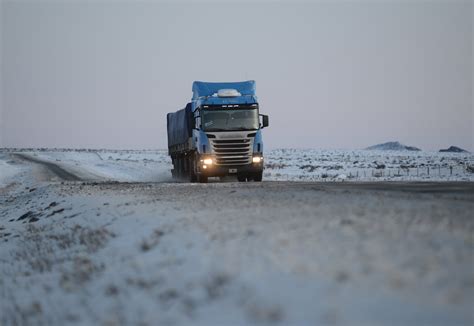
(393, 146)
(453, 149)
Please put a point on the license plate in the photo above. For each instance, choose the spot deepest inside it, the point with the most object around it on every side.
(232, 170)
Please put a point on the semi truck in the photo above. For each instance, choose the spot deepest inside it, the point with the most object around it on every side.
(218, 133)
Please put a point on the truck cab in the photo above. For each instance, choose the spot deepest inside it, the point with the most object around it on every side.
(226, 136)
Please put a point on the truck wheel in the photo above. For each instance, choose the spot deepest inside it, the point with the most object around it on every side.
(192, 169)
(179, 171)
(202, 178)
(258, 176)
(241, 178)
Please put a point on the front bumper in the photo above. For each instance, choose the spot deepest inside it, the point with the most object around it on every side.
(223, 170)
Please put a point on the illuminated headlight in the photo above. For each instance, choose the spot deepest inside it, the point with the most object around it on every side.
(257, 159)
(207, 161)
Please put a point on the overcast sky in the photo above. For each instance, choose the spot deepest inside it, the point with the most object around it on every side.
(330, 74)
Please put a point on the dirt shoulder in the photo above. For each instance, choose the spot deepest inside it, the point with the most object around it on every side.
(237, 253)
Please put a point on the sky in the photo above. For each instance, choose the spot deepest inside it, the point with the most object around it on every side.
(334, 74)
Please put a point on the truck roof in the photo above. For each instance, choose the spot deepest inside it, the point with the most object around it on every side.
(206, 93)
(203, 89)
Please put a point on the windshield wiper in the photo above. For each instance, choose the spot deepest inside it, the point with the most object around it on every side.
(216, 129)
(243, 128)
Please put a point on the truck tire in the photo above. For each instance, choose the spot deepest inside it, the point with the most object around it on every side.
(192, 169)
(202, 178)
(181, 168)
(177, 172)
(178, 168)
(258, 176)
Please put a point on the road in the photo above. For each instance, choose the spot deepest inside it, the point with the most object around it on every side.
(53, 168)
(237, 253)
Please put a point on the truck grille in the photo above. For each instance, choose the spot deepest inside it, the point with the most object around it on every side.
(232, 151)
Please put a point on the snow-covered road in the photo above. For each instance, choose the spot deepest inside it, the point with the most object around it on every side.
(293, 253)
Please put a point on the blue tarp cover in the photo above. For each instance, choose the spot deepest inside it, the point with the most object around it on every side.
(180, 126)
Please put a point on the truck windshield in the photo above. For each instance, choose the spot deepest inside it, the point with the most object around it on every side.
(223, 120)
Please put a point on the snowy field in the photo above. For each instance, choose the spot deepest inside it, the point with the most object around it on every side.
(280, 165)
(122, 166)
(107, 238)
(367, 165)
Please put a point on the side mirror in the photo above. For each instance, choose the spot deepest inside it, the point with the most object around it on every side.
(264, 120)
(197, 122)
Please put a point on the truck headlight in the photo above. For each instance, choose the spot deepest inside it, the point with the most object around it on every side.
(257, 159)
(207, 161)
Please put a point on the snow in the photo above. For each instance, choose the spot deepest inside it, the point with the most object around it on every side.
(8, 170)
(280, 165)
(366, 165)
(153, 252)
(122, 166)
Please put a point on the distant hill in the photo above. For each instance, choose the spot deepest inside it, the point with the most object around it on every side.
(393, 146)
(453, 149)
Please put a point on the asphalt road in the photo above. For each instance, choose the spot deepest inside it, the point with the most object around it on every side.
(56, 169)
(414, 187)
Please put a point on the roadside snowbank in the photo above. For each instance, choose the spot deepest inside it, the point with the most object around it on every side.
(294, 253)
(8, 170)
(122, 166)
